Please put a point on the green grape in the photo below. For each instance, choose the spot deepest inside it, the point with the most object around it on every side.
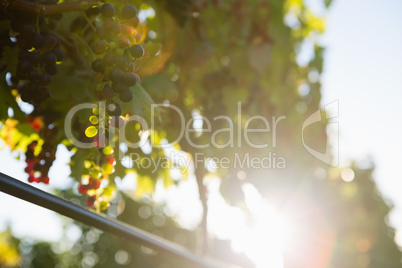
(95, 173)
(98, 87)
(91, 132)
(108, 150)
(119, 52)
(107, 169)
(104, 205)
(112, 45)
(94, 120)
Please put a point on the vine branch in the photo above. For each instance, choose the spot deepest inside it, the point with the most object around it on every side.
(44, 10)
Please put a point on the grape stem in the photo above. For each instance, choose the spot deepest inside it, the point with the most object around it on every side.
(44, 10)
(202, 246)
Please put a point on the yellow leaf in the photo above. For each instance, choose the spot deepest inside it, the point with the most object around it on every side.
(314, 23)
(145, 185)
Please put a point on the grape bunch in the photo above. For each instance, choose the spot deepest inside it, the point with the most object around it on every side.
(39, 162)
(99, 170)
(91, 183)
(37, 59)
(38, 166)
(112, 41)
(117, 50)
(93, 130)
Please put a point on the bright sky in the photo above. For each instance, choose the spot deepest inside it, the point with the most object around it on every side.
(362, 70)
(25, 219)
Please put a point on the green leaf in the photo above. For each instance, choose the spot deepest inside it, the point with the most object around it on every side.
(77, 164)
(141, 103)
(10, 56)
(145, 185)
(160, 87)
(66, 85)
(7, 100)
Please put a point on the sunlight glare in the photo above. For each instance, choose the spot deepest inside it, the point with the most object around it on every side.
(265, 238)
(262, 238)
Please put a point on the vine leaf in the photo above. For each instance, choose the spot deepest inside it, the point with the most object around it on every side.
(141, 104)
(74, 86)
(161, 87)
(145, 185)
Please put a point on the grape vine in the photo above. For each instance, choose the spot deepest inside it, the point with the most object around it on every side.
(101, 44)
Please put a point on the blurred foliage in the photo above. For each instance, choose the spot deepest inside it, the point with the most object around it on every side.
(9, 255)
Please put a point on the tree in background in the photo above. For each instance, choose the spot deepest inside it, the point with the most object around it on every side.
(238, 59)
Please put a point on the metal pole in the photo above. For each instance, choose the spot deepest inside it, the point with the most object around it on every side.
(38, 197)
